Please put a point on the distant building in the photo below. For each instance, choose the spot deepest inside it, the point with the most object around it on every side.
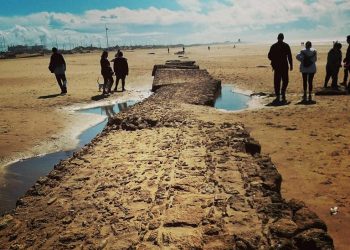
(26, 49)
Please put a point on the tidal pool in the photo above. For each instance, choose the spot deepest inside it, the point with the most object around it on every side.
(229, 100)
(21, 175)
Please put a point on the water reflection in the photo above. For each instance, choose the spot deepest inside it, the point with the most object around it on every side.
(21, 175)
(229, 100)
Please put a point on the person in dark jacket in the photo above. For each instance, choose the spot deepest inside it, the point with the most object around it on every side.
(333, 65)
(58, 67)
(280, 55)
(346, 62)
(121, 70)
(107, 73)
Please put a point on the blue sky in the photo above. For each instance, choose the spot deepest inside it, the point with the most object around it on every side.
(76, 22)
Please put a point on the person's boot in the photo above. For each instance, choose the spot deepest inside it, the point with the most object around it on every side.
(304, 97)
(277, 99)
(64, 87)
(123, 87)
(284, 100)
(310, 97)
(116, 88)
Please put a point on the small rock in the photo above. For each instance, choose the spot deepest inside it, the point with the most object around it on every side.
(284, 228)
(52, 200)
(67, 220)
(5, 221)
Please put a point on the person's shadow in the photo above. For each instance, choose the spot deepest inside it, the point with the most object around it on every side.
(275, 103)
(304, 102)
(48, 96)
(99, 97)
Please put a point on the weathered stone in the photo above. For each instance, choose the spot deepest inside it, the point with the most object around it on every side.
(313, 239)
(306, 219)
(52, 200)
(284, 228)
(69, 238)
(154, 225)
(252, 147)
(5, 221)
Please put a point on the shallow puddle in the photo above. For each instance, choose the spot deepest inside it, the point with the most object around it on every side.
(21, 175)
(229, 100)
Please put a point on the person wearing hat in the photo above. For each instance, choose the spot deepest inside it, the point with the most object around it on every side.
(280, 55)
(121, 69)
(58, 67)
(333, 65)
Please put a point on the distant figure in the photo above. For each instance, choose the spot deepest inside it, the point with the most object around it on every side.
(333, 65)
(279, 55)
(58, 67)
(307, 58)
(209, 48)
(183, 49)
(346, 62)
(168, 50)
(234, 46)
(107, 73)
(121, 70)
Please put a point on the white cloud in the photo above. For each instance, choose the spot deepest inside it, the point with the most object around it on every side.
(195, 22)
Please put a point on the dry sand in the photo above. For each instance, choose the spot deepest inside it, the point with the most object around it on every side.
(308, 144)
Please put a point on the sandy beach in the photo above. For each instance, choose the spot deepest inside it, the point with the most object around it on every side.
(308, 144)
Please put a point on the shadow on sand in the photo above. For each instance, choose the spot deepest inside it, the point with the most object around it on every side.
(49, 96)
(277, 103)
(99, 97)
(312, 102)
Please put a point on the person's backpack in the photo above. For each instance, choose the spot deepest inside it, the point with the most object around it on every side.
(307, 61)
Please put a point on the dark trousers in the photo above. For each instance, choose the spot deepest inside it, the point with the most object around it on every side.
(117, 82)
(61, 80)
(307, 80)
(281, 74)
(331, 72)
(346, 75)
(107, 83)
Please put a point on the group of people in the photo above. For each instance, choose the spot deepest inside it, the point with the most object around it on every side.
(121, 70)
(120, 65)
(281, 61)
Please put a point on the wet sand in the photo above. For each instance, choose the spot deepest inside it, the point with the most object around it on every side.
(308, 144)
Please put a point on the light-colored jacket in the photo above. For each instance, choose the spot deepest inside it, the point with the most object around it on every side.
(312, 53)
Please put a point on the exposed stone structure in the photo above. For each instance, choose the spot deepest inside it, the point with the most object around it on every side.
(159, 177)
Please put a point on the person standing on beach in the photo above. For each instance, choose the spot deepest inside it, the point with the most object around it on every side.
(346, 62)
(121, 69)
(107, 73)
(280, 55)
(333, 65)
(58, 67)
(307, 58)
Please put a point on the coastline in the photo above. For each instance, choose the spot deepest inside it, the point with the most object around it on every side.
(77, 123)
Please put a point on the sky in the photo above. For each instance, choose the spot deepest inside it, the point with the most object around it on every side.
(68, 23)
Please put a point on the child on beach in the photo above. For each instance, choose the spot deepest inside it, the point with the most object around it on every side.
(307, 58)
